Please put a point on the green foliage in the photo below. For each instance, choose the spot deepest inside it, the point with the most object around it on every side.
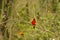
(48, 23)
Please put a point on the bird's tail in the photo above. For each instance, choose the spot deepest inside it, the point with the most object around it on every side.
(34, 27)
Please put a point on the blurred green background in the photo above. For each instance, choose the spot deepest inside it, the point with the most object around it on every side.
(18, 14)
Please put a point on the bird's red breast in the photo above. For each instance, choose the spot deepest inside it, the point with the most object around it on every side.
(33, 22)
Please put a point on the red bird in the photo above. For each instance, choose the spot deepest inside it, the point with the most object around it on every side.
(34, 22)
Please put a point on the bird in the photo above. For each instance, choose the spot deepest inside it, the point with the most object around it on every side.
(21, 33)
(34, 23)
